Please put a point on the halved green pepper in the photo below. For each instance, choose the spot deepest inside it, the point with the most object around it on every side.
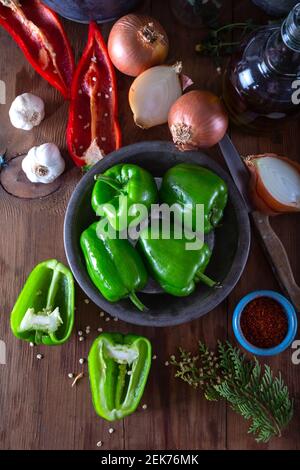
(176, 268)
(44, 310)
(188, 185)
(120, 189)
(118, 368)
(113, 264)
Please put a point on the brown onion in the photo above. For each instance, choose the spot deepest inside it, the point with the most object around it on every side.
(136, 43)
(274, 184)
(197, 119)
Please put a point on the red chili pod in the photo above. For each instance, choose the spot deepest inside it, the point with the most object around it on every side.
(39, 33)
(93, 129)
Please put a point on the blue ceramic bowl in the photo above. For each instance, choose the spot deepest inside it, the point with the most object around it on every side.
(290, 313)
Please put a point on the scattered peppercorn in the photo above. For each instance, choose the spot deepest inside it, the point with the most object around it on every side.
(264, 322)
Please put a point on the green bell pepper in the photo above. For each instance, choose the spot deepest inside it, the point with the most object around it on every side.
(119, 366)
(174, 267)
(44, 310)
(187, 185)
(114, 265)
(120, 189)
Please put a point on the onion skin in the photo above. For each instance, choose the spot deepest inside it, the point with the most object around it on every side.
(197, 119)
(136, 43)
(261, 198)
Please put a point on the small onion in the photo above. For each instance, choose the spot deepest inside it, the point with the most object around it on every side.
(197, 119)
(136, 43)
(152, 94)
(275, 183)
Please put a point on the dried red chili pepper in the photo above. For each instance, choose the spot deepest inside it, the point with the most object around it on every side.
(93, 128)
(264, 322)
(39, 33)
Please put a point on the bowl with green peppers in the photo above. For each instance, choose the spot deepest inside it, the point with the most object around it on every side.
(152, 278)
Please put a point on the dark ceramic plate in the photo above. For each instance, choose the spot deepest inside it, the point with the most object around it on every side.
(231, 240)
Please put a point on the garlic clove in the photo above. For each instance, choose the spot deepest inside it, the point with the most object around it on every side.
(27, 111)
(43, 164)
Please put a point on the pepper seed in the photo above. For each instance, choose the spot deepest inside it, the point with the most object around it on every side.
(81, 338)
(144, 406)
(70, 375)
(39, 356)
(81, 360)
(116, 319)
(107, 319)
(111, 430)
(80, 333)
(99, 444)
(86, 301)
(106, 96)
(100, 330)
(154, 357)
(166, 363)
(31, 344)
(102, 314)
(79, 116)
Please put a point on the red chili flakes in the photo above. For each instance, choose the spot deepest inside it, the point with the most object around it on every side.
(264, 322)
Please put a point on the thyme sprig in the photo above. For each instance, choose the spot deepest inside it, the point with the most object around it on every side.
(252, 391)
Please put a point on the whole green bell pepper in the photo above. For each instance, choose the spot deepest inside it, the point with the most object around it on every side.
(119, 366)
(176, 268)
(113, 264)
(120, 189)
(188, 185)
(44, 310)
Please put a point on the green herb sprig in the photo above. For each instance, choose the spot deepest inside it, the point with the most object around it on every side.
(252, 392)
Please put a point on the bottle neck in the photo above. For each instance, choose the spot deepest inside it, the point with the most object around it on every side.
(290, 30)
(282, 52)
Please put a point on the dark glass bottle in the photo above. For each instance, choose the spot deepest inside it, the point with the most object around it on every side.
(260, 80)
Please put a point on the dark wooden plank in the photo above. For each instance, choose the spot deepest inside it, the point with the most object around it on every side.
(258, 274)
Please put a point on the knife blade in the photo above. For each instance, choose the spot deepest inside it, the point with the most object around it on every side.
(238, 171)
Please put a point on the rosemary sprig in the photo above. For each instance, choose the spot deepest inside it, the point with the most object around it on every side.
(252, 392)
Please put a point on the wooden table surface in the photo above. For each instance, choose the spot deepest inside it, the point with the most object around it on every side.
(38, 407)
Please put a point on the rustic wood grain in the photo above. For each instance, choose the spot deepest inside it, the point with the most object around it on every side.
(38, 407)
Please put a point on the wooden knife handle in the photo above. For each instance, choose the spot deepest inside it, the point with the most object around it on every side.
(279, 259)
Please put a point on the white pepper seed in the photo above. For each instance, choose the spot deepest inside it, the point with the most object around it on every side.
(166, 363)
(102, 314)
(116, 319)
(154, 357)
(31, 344)
(81, 338)
(99, 444)
(70, 375)
(86, 301)
(39, 356)
(107, 319)
(144, 406)
(100, 330)
(81, 360)
(80, 333)
(111, 430)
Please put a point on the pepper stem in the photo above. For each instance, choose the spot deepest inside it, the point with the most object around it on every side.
(109, 181)
(206, 280)
(136, 301)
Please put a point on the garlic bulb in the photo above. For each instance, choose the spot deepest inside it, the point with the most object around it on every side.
(43, 164)
(152, 94)
(26, 111)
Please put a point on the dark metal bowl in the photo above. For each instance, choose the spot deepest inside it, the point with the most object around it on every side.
(231, 244)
